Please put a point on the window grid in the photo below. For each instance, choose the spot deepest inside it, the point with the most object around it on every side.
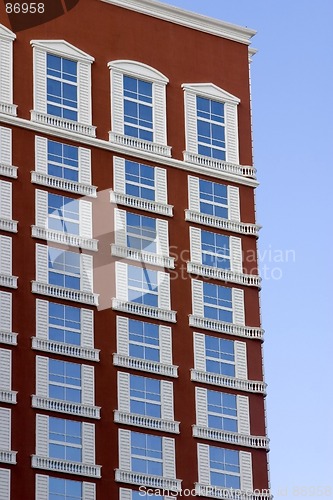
(64, 324)
(144, 340)
(63, 214)
(211, 130)
(215, 250)
(62, 87)
(65, 381)
(217, 302)
(222, 411)
(146, 454)
(213, 199)
(145, 396)
(64, 489)
(220, 356)
(64, 268)
(140, 180)
(63, 161)
(224, 467)
(142, 286)
(138, 108)
(141, 232)
(65, 439)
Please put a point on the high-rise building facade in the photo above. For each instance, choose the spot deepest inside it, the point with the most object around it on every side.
(130, 336)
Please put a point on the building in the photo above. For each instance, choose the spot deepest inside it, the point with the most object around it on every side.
(131, 343)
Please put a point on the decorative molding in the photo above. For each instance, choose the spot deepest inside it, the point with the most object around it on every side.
(124, 150)
(6, 33)
(8, 338)
(145, 365)
(249, 332)
(8, 457)
(63, 349)
(157, 424)
(141, 204)
(138, 69)
(80, 410)
(63, 184)
(219, 165)
(55, 121)
(211, 91)
(229, 494)
(225, 224)
(238, 384)
(65, 466)
(8, 225)
(189, 19)
(142, 256)
(64, 238)
(8, 396)
(8, 281)
(143, 310)
(159, 482)
(65, 293)
(135, 143)
(223, 275)
(234, 438)
(63, 49)
(8, 171)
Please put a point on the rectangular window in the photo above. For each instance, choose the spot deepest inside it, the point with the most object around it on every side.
(65, 381)
(62, 87)
(146, 454)
(138, 108)
(213, 199)
(65, 439)
(141, 232)
(215, 250)
(140, 180)
(222, 411)
(142, 286)
(63, 161)
(64, 489)
(64, 268)
(217, 302)
(64, 324)
(143, 340)
(145, 396)
(220, 356)
(224, 468)
(211, 128)
(63, 214)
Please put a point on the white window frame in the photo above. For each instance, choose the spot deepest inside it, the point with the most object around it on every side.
(7, 395)
(134, 69)
(7, 456)
(5, 484)
(7, 336)
(42, 488)
(61, 48)
(6, 167)
(6, 207)
(212, 92)
(7, 38)
(6, 260)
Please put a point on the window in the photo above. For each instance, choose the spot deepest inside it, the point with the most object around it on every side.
(63, 214)
(138, 108)
(141, 232)
(215, 250)
(64, 489)
(64, 324)
(143, 340)
(213, 198)
(224, 468)
(146, 454)
(65, 381)
(220, 356)
(222, 411)
(140, 180)
(7, 38)
(211, 128)
(145, 396)
(64, 268)
(217, 302)
(63, 161)
(65, 439)
(142, 286)
(62, 83)
(5, 484)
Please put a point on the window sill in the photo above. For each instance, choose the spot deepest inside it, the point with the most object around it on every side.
(145, 365)
(135, 143)
(203, 490)
(220, 165)
(141, 204)
(250, 332)
(8, 171)
(223, 275)
(70, 125)
(8, 457)
(8, 109)
(65, 293)
(230, 437)
(8, 225)
(141, 256)
(8, 281)
(64, 238)
(60, 406)
(157, 424)
(65, 349)
(63, 184)
(142, 310)
(254, 386)
(65, 466)
(8, 338)
(219, 223)
(140, 479)
(8, 396)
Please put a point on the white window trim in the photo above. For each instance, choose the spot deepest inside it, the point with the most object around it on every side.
(7, 456)
(5, 483)
(7, 395)
(7, 336)
(6, 257)
(140, 71)
(6, 167)
(6, 207)
(42, 488)
(7, 38)
(61, 48)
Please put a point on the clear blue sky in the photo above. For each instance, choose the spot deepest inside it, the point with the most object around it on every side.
(292, 97)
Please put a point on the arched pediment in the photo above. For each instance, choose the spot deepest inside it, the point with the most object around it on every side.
(63, 49)
(139, 70)
(211, 91)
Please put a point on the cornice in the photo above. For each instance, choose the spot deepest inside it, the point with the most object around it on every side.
(186, 18)
(124, 150)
